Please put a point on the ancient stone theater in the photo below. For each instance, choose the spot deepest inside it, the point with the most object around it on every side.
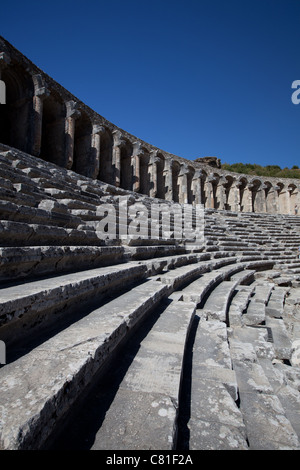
(147, 302)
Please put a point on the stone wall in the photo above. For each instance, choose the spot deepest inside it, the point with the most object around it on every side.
(45, 120)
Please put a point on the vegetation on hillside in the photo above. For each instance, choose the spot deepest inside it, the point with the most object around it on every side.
(269, 170)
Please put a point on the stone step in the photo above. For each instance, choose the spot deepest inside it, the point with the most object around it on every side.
(198, 289)
(214, 421)
(239, 304)
(34, 234)
(20, 213)
(49, 378)
(177, 278)
(284, 383)
(143, 413)
(18, 263)
(28, 308)
(215, 308)
(282, 343)
(267, 426)
(275, 305)
(256, 310)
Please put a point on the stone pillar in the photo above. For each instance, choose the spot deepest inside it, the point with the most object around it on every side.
(288, 200)
(118, 142)
(183, 184)
(221, 193)
(136, 165)
(209, 191)
(94, 166)
(234, 196)
(262, 202)
(168, 178)
(40, 93)
(4, 61)
(72, 114)
(248, 197)
(154, 159)
(284, 200)
(275, 199)
(197, 186)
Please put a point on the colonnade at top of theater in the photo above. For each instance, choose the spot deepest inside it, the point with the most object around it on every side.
(44, 120)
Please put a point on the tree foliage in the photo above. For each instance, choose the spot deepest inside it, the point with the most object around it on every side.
(269, 170)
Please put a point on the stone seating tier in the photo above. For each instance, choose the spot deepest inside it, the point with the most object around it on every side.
(183, 328)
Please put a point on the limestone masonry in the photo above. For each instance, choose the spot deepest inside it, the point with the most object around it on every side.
(45, 120)
(138, 341)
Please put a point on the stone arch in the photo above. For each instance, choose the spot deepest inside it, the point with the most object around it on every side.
(53, 130)
(82, 144)
(106, 153)
(15, 117)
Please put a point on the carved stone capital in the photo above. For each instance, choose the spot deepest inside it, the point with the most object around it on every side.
(184, 169)
(199, 174)
(137, 149)
(154, 158)
(168, 163)
(40, 87)
(72, 109)
(118, 138)
(211, 179)
(223, 181)
(98, 129)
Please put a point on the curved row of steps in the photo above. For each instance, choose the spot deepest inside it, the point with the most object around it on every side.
(139, 343)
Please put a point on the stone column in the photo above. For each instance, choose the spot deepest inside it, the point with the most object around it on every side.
(40, 93)
(136, 165)
(72, 114)
(221, 193)
(248, 197)
(154, 159)
(4, 61)
(197, 186)
(183, 184)
(168, 178)
(288, 200)
(275, 200)
(262, 198)
(94, 167)
(234, 196)
(118, 142)
(209, 191)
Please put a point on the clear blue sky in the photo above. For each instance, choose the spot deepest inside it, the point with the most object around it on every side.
(192, 77)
